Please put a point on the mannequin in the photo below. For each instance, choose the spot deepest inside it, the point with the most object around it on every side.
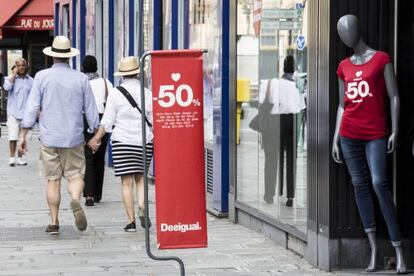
(365, 155)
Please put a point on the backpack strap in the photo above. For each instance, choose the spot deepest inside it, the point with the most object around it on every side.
(132, 102)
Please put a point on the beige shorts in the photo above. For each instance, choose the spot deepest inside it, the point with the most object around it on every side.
(58, 162)
(13, 128)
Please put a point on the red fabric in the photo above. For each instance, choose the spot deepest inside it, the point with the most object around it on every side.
(177, 91)
(38, 8)
(8, 9)
(26, 15)
(365, 116)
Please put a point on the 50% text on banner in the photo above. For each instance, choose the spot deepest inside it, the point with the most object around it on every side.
(177, 100)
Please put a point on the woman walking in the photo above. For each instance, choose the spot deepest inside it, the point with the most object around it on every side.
(95, 162)
(124, 121)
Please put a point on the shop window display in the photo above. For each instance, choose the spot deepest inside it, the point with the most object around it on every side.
(148, 26)
(167, 24)
(205, 33)
(90, 27)
(271, 109)
(121, 30)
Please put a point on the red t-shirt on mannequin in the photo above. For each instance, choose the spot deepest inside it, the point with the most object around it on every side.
(365, 99)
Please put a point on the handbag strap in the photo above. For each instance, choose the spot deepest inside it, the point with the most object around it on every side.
(106, 89)
(132, 102)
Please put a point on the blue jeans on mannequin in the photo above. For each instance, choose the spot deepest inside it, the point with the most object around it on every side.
(366, 162)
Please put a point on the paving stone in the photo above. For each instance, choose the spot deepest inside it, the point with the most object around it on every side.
(105, 249)
(12, 234)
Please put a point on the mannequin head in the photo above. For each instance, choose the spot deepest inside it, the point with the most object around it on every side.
(348, 30)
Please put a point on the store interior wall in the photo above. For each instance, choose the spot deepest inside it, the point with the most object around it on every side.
(405, 161)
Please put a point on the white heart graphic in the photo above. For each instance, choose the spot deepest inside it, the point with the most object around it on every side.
(175, 76)
(358, 74)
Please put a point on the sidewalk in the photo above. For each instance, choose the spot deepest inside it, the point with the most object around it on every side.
(105, 249)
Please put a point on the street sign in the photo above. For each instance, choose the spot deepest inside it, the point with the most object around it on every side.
(270, 26)
(281, 14)
(300, 42)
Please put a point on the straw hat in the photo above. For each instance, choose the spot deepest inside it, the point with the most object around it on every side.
(61, 48)
(127, 66)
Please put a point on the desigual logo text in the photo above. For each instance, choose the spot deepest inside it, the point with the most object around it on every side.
(180, 227)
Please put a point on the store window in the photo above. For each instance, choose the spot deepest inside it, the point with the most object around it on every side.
(271, 109)
(90, 27)
(121, 32)
(147, 43)
(167, 9)
(65, 21)
(76, 5)
(205, 33)
(94, 29)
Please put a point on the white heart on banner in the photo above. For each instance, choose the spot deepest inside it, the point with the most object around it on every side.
(175, 76)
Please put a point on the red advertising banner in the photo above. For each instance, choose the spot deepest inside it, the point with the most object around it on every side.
(177, 91)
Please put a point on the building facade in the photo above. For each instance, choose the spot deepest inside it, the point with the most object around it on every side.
(275, 175)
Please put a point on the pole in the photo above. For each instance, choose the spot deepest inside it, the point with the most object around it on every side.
(141, 27)
(144, 143)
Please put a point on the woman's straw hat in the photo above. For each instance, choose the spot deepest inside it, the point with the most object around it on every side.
(127, 66)
(61, 48)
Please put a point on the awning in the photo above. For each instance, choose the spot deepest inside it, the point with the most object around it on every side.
(8, 10)
(29, 15)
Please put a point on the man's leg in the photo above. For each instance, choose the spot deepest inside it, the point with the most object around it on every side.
(75, 188)
(20, 155)
(50, 168)
(12, 148)
(53, 199)
(20, 161)
(72, 161)
(13, 133)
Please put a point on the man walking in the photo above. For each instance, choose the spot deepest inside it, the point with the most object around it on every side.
(18, 87)
(63, 96)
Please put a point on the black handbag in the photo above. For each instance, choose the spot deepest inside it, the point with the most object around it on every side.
(261, 121)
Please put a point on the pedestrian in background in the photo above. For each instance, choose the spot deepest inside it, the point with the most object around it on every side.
(123, 112)
(95, 162)
(2, 95)
(18, 86)
(1, 81)
(64, 96)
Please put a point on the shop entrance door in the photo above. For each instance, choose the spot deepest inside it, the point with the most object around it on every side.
(7, 63)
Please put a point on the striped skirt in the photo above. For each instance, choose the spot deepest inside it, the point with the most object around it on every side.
(128, 159)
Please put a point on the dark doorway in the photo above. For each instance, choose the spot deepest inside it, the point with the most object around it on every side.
(405, 161)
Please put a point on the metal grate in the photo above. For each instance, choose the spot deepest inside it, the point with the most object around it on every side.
(208, 161)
